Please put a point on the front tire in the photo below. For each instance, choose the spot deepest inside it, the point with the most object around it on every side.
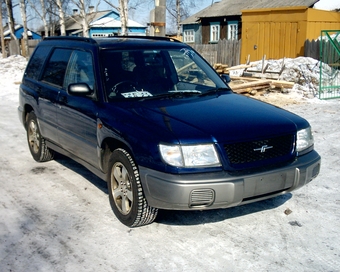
(36, 142)
(126, 193)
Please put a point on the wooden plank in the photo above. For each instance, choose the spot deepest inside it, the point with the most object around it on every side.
(275, 83)
(242, 66)
(258, 83)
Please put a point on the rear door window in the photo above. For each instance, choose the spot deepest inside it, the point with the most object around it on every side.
(56, 66)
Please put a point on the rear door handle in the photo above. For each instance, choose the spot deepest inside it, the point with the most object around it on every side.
(63, 99)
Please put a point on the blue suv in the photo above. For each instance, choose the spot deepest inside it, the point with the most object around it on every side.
(152, 118)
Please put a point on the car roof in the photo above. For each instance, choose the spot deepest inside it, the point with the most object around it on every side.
(116, 41)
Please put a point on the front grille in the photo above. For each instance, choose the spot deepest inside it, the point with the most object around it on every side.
(257, 151)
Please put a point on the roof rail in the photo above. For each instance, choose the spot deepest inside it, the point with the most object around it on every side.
(93, 40)
(71, 38)
(159, 38)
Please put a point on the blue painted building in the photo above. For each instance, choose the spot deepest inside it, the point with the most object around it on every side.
(110, 24)
(19, 30)
(102, 24)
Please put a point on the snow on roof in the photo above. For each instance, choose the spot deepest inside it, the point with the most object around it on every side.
(16, 27)
(7, 32)
(110, 22)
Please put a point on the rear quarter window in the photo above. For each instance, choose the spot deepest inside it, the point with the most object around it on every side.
(37, 62)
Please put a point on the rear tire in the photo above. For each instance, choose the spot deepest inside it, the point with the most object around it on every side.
(36, 143)
(126, 193)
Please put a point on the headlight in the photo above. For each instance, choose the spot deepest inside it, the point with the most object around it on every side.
(190, 155)
(304, 139)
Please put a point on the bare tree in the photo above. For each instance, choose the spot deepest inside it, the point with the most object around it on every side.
(24, 21)
(124, 7)
(84, 23)
(86, 14)
(178, 10)
(123, 11)
(3, 50)
(54, 13)
(42, 13)
(11, 22)
(61, 18)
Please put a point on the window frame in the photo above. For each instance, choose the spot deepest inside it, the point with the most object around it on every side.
(215, 32)
(189, 38)
(233, 33)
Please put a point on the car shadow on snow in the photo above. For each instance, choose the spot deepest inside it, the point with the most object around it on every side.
(81, 170)
(182, 218)
(170, 217)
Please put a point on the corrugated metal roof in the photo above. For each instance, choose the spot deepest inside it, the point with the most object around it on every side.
(234, 7)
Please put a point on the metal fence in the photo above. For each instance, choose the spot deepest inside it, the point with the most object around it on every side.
(327, 51)
(225, 52)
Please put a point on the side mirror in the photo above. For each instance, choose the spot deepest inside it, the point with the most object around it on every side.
(79, 89)
(226, 78)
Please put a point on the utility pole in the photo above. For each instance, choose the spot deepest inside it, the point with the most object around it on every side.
(157, 19)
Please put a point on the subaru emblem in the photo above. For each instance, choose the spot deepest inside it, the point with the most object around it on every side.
(263, 148)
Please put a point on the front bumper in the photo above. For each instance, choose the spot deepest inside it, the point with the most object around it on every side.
(222, 190)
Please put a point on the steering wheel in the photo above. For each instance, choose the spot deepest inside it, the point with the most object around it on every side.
(122, 87)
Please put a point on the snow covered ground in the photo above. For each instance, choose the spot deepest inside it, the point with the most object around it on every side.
(56, 216)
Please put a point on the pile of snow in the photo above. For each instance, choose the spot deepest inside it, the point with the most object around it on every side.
(303, 71)
(12, 69)
(11, 72)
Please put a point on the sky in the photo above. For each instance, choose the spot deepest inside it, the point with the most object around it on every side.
(328, 4)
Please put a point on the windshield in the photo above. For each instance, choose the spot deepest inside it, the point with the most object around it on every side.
(152, 73)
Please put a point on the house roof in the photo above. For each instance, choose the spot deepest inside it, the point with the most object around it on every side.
(73, 22)
(7, 32)
(110, 22)
(235, 7)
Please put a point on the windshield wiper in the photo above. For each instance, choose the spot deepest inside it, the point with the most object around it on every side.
(215, 91)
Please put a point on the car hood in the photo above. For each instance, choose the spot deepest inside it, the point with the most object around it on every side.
(219, 118)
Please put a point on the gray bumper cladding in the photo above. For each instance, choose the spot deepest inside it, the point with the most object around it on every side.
(221, 190)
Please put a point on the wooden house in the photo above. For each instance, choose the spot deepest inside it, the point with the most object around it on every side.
(282, 32)
(273, 28)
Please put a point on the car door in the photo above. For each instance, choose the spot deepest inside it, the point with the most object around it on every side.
(77, 115)
(49, 88)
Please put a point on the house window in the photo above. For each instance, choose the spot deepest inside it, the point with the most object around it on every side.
(232, 31)
(214, 32)
(189, 36)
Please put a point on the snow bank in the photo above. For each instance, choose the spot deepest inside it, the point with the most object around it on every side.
(12, 69)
